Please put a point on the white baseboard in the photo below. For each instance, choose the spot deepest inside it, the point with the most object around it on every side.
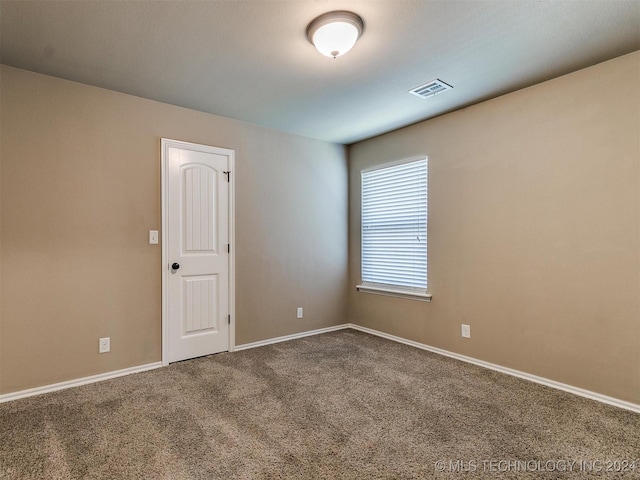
(491, 366)
(509, 371)
(7, 397)
(286, 338)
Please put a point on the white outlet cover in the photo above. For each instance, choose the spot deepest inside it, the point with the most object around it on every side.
(299, 312)
(104, 345)
(466, 331)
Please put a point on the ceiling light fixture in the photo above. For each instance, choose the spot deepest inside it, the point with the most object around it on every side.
(335, 33)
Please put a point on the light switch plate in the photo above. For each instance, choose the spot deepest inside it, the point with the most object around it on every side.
(153, 237)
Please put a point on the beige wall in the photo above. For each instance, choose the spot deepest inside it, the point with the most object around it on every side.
(534, 233)
(80, 171)
(533, 230)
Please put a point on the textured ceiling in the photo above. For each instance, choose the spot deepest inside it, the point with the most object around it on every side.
(250, 60)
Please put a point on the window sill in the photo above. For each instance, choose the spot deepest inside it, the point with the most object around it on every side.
(421, 297)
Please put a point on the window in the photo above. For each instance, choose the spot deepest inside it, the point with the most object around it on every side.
(394, 229)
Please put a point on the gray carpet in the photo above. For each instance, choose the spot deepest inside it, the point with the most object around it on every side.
(344, 405)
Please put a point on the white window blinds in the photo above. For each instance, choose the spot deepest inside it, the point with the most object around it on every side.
(394, 226)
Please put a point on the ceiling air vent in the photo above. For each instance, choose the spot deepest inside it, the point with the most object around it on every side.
(430, 89)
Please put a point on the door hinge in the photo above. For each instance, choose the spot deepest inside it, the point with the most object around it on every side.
(228, 248)
(229, 319)
(228, 174)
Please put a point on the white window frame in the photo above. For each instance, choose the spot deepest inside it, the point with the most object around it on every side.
(390, 289)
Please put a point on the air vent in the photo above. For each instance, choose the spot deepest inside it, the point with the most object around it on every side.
(430, 89)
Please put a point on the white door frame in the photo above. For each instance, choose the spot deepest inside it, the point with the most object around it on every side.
(165, 143)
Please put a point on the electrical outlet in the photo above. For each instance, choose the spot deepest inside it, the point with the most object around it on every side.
(300, 313)
(104, 345)
(466, 331)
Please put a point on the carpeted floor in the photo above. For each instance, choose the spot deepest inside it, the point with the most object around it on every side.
(343, 405)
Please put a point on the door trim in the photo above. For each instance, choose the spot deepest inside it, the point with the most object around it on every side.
(164, 189)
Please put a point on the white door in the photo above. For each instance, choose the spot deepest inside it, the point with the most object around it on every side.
(197, 259)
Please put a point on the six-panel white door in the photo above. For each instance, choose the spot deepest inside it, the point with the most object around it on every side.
(197, 251)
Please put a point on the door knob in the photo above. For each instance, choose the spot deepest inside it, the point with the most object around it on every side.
(175, 266)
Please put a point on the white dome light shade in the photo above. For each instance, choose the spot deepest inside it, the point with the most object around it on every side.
(335, 39)
(335, 33)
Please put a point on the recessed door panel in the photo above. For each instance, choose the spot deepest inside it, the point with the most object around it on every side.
(199, 216)
(200, 304)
